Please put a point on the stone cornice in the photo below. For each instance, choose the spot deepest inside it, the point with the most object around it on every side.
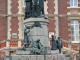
(48, 15)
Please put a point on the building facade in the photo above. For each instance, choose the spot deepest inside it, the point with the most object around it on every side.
(64, 22)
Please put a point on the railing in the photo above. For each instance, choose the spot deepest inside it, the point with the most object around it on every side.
(2, 45)
(1, 58)
(11, 43)
(72, 47)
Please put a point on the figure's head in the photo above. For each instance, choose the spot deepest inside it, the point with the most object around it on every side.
(38, 40)
(52, 35)
(59, 37)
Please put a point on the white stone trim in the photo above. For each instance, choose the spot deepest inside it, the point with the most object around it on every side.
(73, 7)
(19, 44)
(56, 18)
(9, 7)
(56, 27)
(20, 29)
(7, 44)
(56, 6)
(20, 24)
(45, 7)
(20, 2)
(9, 19)
(9, 28)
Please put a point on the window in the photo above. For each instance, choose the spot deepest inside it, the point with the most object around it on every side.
(73, 3)
(75, 30)
(24, 4)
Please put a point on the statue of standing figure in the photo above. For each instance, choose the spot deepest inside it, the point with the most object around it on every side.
(26, 41)
(54, 46)
(59, 44)
(34, 8)
(28, 9)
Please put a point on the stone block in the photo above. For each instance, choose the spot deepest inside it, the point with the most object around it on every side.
(15, 57)
(48, 51)
(27, 52)
(18, 52)
(54, 52)
(37, 32)
(68, 57)
(23, 52)
(61, 57)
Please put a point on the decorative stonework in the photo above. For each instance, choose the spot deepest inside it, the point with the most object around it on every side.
(20, 24)
(20, 2)
(9, 28)
(56, 6)
(56, 18)
(69, 25)
(45, 7)
(9, 19)
(20, 29)
(14, 21)
(73, 10)
(9, 6)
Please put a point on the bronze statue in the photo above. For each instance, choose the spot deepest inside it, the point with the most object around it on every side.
(54, 46)
(34, 8)
(28, 9)
(37, 47)
(41, 4)
(59, 44)
(26, 41)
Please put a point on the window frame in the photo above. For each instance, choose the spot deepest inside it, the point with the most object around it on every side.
(73, 4)
(75, 41)
(24, 3)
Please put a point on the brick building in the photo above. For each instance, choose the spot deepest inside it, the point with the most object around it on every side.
(65, 23)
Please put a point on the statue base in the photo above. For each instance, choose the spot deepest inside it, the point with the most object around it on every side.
(39, 57)
(38, 32)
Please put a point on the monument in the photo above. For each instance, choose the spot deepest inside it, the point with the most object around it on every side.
(36, 42)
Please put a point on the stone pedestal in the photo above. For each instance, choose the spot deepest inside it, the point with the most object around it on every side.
(61, 57)
(54, 52)
(32, 57)
(37, 32)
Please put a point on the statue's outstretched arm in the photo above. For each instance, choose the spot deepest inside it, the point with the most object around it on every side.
(28, 30)
(32, 25)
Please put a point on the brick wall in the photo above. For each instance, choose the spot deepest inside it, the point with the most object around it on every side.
(51, 10)
(2, 54)
(63, 26)
(14, 21)
(3, 20)
(62, 6)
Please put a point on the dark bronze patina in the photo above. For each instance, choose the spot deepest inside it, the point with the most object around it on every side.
(37, 47)
(59, 44)
(34, 8)
(54, 46)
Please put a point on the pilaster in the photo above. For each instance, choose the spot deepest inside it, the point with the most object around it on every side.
(9, 19)
(56, 18)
